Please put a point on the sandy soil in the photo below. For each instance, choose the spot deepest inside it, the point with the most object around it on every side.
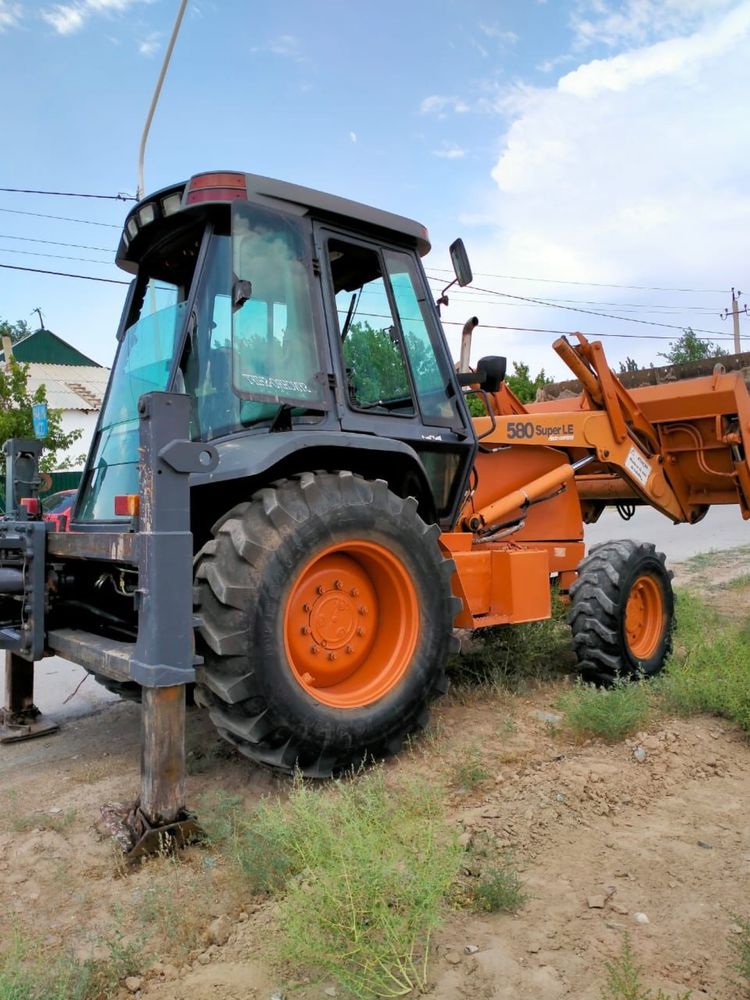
(599, 834)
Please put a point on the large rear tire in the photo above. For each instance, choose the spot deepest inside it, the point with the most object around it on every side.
(622, 612)
(327, 616)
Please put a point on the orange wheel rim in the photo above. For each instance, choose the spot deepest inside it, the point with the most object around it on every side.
(644, 617)
(351, 624)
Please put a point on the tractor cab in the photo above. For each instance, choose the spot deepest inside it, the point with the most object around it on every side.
(287, 316)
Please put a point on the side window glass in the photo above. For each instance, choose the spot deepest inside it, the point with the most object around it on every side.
(275, 354)
(376, 369)
(430, 380)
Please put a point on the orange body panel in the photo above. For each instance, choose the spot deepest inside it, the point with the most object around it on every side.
(498, 585)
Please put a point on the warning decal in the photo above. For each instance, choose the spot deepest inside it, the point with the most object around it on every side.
(637, 466)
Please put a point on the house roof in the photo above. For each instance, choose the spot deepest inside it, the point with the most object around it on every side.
(46, 347)
(70, 387)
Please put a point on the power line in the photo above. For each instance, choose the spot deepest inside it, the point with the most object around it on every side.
(59, 218)
(531, 329)
(591, 284)
(623, 306)
(55, 243)
(71, 194)
(55, 256)
(596, 312)
(63, 274)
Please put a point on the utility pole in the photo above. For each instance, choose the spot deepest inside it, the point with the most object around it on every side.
(735, 313)
(157, 91)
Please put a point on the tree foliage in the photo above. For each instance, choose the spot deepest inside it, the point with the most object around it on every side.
(523, 385)
(690, 347)
(376, 363)
(628, 365)
(16, 331)
(16, 400)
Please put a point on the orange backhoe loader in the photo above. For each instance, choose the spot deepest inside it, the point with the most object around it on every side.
(287, 508)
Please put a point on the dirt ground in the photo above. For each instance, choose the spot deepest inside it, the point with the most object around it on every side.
(599, 833)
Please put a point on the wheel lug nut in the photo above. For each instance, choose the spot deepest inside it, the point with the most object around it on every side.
(349, 649)
(360, 631)
(354, 592)
(305, 630)
(338, 584)
(313, 649)
(306, 608)
(362, 609)
(331, 656)
(320, 590)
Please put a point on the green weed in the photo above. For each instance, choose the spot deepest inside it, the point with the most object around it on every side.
(362, 872)
(27, 974)
(515, 657)
(607, 713)
(710, 669)
(469, 770)
(740, 945)
(624, 978)
(500, 889)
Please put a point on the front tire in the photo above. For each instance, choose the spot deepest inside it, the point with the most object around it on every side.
(622, 612)
(327, 618)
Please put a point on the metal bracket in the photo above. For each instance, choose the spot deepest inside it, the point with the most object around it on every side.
(27, 725)
(139, 838)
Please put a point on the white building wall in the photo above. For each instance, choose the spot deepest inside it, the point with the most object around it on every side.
(84, 420)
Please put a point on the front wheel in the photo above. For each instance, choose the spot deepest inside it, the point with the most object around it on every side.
(327, 618)
(622, 612)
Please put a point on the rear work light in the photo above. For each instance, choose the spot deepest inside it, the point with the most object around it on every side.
(216, 187)
(32, 505)
(127, 505)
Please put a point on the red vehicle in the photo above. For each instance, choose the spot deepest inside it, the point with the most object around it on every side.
(57, 507)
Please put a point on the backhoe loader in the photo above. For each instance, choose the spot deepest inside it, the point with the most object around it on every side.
(287, 507)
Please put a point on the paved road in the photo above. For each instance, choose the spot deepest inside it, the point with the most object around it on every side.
(723, 528)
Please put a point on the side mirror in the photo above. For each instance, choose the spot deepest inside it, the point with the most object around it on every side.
(460, 261)
(492, 369)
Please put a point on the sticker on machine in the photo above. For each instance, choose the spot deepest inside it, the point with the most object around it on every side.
(637, 465)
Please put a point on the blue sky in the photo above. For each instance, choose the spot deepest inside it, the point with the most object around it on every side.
(576, 146)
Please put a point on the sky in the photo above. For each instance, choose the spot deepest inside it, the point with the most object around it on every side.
(592, 154)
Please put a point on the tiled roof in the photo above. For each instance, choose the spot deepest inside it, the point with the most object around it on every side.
(70, 387)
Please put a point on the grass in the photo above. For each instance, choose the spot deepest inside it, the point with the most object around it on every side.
(469, 771)
(609, 714)
(740, 945)
(15, 821)
(624, 978)
(515, 657)
(499, 889)
(27, 974)
(362, 872)
(709, 672)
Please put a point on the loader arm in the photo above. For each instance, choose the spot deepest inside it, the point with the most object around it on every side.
(679, 447)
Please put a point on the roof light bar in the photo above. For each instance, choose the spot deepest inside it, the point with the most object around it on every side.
(216, 187)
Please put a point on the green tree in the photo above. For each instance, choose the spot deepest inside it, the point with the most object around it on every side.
(523, 385)
(16, 400)
(628, 365)
(690, 347)
(376, 364)
(16, 331)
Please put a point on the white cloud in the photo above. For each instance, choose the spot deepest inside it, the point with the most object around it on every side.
(67, 18)
(632, 170)
(638, 22)
(440, 105)
(150, 45)
(353, 136)
(492, 31)
(449, 151)
(665, 58)
(10, 15)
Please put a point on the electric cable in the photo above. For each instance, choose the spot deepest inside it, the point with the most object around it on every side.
(70, 194)
(60, 218)
(63, 274)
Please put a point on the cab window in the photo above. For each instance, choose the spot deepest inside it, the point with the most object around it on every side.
(376, 369)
